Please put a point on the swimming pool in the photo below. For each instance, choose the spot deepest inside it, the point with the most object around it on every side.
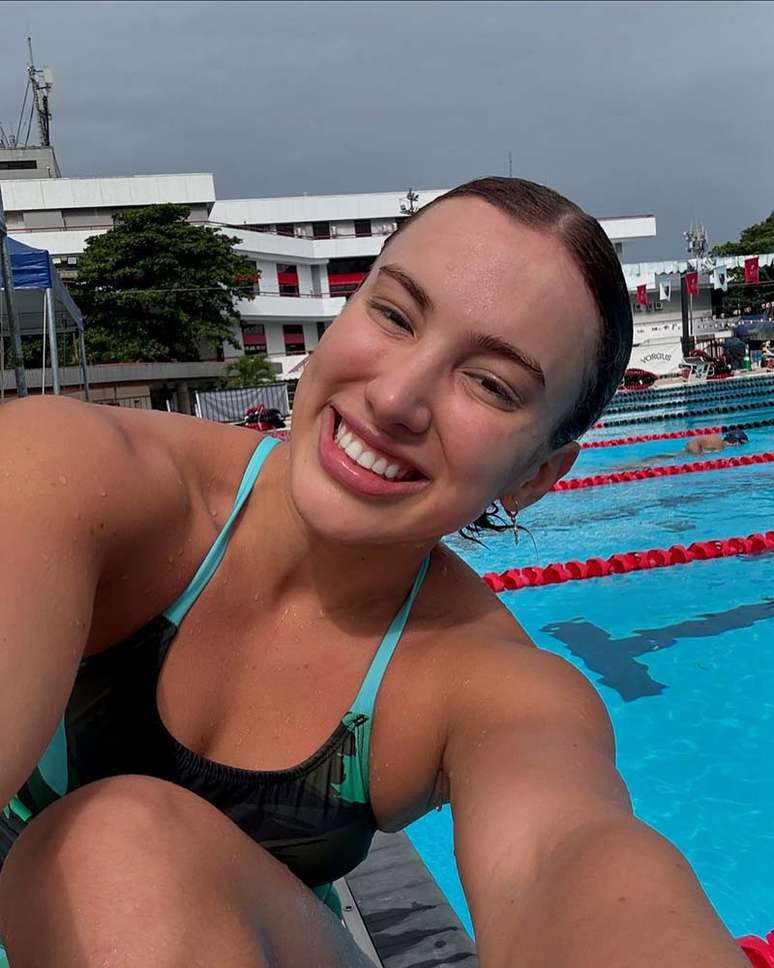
(685, 667)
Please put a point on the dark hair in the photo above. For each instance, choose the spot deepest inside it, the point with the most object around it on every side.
(584, 238)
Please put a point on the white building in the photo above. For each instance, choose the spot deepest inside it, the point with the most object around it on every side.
(311, 251)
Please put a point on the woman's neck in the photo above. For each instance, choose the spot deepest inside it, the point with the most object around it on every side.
(346, 580)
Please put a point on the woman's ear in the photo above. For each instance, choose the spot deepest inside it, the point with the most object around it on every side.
(553, 469)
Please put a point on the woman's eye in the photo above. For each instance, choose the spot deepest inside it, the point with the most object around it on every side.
(393, 315)
(496, 389)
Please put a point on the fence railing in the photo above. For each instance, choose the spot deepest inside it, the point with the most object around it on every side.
(229, 406)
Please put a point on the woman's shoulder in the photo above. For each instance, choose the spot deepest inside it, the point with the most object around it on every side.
(124, 475)
(150, 440)
(479, 637)
(460, 603)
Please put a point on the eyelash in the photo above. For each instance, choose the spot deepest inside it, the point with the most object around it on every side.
(391, 314)
(495, 388)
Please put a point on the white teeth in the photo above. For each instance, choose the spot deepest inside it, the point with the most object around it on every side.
(366, 459)
(354, 449)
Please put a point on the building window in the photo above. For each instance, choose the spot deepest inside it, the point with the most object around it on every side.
(17, 165)
(294, 339)
(251, 279)
(345, 275)
(321, 327)
(362, 227)
(321, 230)
(254, 338)
(286, 228)
(287, 277)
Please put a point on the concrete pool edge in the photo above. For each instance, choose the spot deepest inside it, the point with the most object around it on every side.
(405, 913)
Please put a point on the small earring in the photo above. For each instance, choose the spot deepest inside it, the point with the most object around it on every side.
(514, 523)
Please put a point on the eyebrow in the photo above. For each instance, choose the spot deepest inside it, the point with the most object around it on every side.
(494, 344)
(483, 341)
(417, 292)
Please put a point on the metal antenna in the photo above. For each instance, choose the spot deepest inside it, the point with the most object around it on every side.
(408, 204)
(37, 89)
(40, 82)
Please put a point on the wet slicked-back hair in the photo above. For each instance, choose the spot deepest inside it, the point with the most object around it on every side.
(590, 249)
(592, 252)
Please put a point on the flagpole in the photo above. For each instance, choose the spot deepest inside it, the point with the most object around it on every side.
(696, 239)
(6, 278)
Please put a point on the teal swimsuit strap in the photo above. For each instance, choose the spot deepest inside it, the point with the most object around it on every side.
(178, 610)
(366, 698)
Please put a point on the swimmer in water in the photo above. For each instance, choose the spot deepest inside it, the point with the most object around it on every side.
(712, 443)
(705, 444)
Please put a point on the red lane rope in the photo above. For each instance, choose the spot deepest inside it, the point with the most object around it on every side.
(641, 438)
(667, 470)
(673, 434)
(760, 952)
(559, 572)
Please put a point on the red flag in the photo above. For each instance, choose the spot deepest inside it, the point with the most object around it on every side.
(752, 271)
(642, 295)
(692, 283)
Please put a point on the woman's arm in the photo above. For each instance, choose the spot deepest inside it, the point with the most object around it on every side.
(556, 869)
(71, 496)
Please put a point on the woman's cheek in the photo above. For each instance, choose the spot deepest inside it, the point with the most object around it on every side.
(348, 347)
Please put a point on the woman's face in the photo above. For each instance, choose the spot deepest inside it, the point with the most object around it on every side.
(437, 388)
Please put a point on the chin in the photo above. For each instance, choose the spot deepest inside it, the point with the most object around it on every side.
(337, 517)
(340, 502)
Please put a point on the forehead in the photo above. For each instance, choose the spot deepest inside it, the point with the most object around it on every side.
(486, 271)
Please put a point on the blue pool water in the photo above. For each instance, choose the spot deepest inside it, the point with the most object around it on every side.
(683, 657)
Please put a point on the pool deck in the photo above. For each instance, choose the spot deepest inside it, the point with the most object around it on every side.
(398, 914)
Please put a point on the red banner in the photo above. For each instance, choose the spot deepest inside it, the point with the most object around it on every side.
(692, 283)
(642, 295)
(752, 271)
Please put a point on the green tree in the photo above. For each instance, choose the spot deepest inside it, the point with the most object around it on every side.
(249, 371)
(156, 287)
(754, 240)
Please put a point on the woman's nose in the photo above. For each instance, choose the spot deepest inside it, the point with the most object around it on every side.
(398, 399)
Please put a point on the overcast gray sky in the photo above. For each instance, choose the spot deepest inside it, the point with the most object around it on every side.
(628, 108)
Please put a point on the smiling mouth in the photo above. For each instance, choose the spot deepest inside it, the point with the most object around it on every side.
(369, 458)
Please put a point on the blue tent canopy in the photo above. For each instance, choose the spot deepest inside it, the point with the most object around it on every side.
(33, 277)
(31, 268)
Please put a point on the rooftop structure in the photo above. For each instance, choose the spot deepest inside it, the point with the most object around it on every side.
(36, 162)
(311, 251)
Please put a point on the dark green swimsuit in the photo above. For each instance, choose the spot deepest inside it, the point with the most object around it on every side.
(315, 817)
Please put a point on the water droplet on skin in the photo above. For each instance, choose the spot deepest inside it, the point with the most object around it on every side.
(62, 479)
(103, 493)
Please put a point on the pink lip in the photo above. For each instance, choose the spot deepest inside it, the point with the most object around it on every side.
(351, 475)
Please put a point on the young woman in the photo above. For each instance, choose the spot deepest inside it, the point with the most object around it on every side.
(263, 654)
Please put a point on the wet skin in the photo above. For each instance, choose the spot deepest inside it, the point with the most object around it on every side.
(458, 357)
